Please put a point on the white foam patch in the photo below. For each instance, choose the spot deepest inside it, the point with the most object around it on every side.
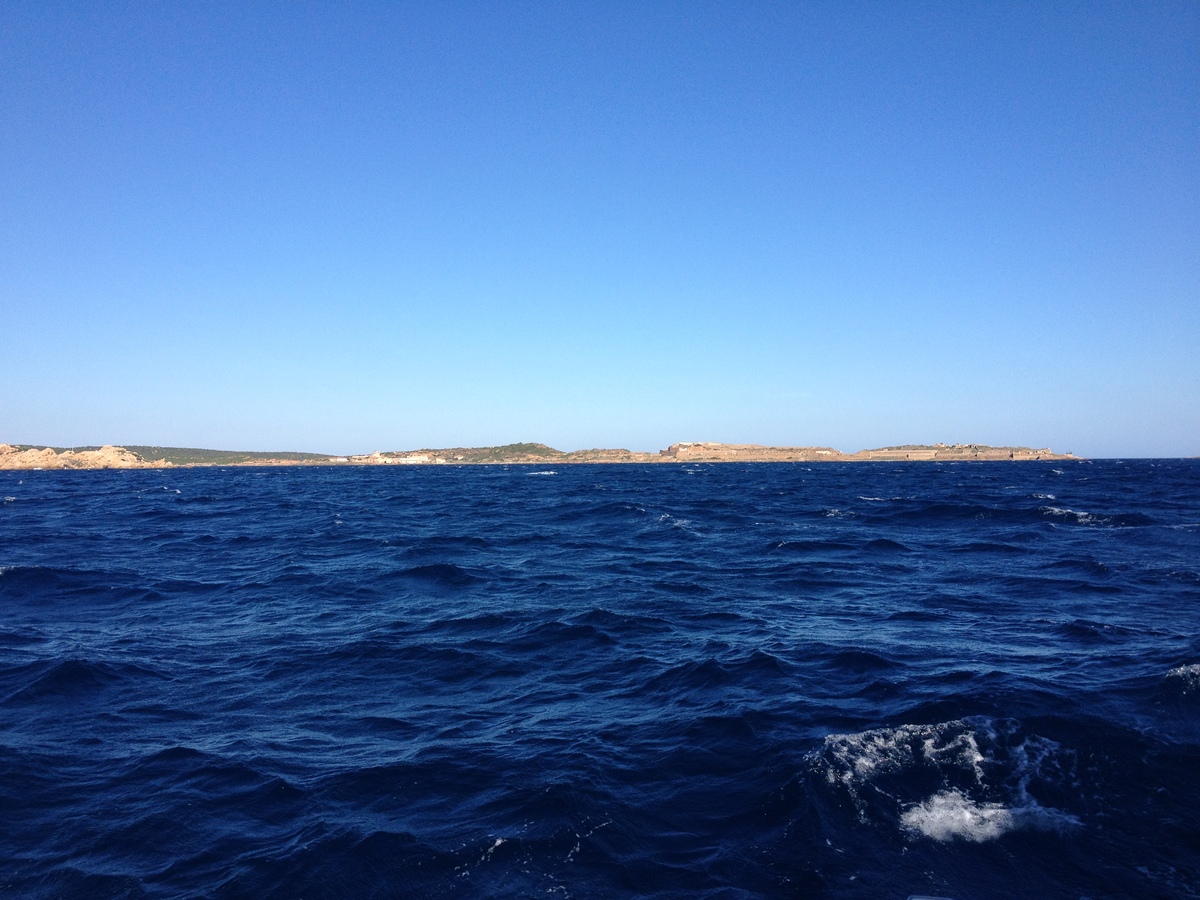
(949, 815)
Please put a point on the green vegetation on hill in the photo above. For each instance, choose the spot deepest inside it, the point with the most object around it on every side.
(192, 456)
(509, 452)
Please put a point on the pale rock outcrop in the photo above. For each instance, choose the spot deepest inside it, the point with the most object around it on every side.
(107, 457)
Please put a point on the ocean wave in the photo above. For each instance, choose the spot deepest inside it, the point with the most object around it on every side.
(975, 779)
(860, 662)
(697, 679)
(445, 574)
(69, 679)
(446, 542)
(1079, 517)
(43, 583)
(886, 545)
(1086, 631)
(812, 546)
(1073, 516)
(1185, 678)
(989, 547)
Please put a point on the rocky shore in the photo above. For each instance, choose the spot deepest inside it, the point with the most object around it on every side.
(710, 452)
(109, 457)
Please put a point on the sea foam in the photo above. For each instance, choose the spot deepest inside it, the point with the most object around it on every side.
(949, 814)
(983, 772)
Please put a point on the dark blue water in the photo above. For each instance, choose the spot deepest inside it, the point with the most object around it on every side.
(971, 680)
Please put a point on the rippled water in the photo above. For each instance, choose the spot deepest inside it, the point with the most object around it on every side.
(971, 680)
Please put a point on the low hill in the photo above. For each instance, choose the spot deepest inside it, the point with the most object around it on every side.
(193, 456)
(507, 453)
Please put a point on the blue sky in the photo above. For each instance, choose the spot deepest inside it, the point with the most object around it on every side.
(345, 227)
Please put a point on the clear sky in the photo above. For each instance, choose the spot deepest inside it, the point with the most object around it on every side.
(354, 226)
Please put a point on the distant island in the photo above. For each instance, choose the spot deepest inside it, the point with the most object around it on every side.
(25, 456)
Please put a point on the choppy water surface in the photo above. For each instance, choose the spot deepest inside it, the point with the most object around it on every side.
(971, 680)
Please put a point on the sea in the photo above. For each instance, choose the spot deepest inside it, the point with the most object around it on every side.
(868, 680)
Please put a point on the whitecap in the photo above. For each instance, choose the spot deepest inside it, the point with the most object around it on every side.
(546, 472)
(980, 775)
(854, 759)
(949, 814)
(675, 522)
(1079, 518)
(500, 842)
(1188, 676)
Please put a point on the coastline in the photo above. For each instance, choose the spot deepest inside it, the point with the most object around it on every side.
(31, 457)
